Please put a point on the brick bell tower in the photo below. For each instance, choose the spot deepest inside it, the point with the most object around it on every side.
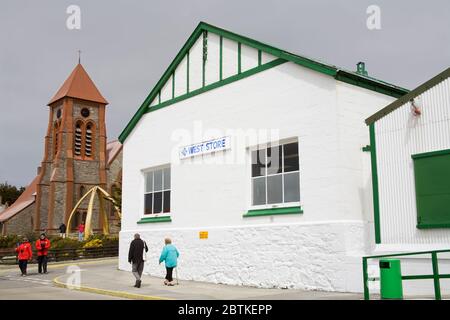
(75, 151)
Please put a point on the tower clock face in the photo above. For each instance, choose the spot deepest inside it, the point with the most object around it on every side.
(85, 112)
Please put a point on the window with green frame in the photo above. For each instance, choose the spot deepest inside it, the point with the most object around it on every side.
(432, 179)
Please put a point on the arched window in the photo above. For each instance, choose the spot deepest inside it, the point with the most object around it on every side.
(78, 138)
(56, 137)
(89, 140)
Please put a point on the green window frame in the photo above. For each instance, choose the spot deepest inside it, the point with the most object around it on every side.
(432, 184)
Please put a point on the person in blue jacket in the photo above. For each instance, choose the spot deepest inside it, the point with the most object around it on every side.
(169, 255)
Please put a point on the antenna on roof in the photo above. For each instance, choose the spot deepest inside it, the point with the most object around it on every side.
(79, 56)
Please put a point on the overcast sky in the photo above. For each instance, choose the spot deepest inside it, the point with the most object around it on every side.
(126, 45)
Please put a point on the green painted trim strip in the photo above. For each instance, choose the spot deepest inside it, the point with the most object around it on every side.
(221, 59)
(376, 200)
(437, 286)
(159, 96)
(173, 85)
(407, 254)
(259, 57)
(431, 154)
(433, 226)
(367, 83)
(318, 66)
(365, 279)
(239, 58)
(154, 219)
(187, 72)
(218, 84)
(273, 211)
(339, 74)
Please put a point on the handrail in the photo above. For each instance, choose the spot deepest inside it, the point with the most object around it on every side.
(435, 276)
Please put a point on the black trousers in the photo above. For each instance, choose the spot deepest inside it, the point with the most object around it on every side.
(23, 266)
(42, 264)
(169, 274)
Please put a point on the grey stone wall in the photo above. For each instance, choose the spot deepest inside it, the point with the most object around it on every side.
(21, 223)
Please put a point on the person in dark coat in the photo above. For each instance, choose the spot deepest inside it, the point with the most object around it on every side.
(136, 258)
(62, 230)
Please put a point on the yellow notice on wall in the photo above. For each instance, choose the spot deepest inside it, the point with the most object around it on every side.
(203, 234)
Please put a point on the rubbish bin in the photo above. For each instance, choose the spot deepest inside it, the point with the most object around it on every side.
(391, 279)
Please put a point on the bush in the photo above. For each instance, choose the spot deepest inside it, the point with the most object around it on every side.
(9, 241)
(94, 243)
(65, 243)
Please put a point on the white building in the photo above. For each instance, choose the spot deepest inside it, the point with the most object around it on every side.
(410, 149)
(304, 223)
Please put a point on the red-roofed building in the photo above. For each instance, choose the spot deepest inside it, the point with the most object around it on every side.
(77, 157)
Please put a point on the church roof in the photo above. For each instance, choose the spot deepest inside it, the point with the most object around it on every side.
(26, 199)
(79, 85)
(112, 150)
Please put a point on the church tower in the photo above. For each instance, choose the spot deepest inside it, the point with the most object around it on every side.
(75, 151)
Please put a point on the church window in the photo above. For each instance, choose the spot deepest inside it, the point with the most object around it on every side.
(88, 140)
(78, 137)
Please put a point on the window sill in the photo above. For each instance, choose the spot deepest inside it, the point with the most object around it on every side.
(155, 219)
(273, 211)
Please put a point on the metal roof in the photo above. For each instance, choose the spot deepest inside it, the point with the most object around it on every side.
(407, 97)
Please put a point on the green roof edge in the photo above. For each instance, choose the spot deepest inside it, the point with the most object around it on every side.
(339, 74)
(410, 95)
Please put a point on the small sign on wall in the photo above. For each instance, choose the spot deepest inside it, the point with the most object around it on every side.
(205, 147)
(203, 234)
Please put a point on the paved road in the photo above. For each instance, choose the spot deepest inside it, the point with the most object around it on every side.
(41, 287)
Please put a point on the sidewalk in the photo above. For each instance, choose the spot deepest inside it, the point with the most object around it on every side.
(107, 279)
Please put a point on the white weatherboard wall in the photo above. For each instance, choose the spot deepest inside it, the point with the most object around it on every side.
(319, 249)
(399, 135)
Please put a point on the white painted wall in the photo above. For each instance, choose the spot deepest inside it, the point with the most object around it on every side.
(319, 249)
(399, 135)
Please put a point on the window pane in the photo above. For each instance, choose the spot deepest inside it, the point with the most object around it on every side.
(258, 162)
(274, 162)
(274, 189)
(157, 202)
(157, 175)
(291, 187)
(166, 204)
(291, 157)
(259, 191)
(149, 182)
(166, 178)
(148, 203)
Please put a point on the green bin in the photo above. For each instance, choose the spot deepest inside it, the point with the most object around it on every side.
(391, 279)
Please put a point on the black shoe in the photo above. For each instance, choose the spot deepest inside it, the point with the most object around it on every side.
(138, 284)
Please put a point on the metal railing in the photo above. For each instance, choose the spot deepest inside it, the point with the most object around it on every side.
(8, 256)
(436, 276)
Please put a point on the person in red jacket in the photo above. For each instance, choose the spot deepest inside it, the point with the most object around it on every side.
(81, 228)
(24, 254)
(42, 246)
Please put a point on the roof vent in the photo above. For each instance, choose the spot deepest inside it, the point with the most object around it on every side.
(361, 68)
